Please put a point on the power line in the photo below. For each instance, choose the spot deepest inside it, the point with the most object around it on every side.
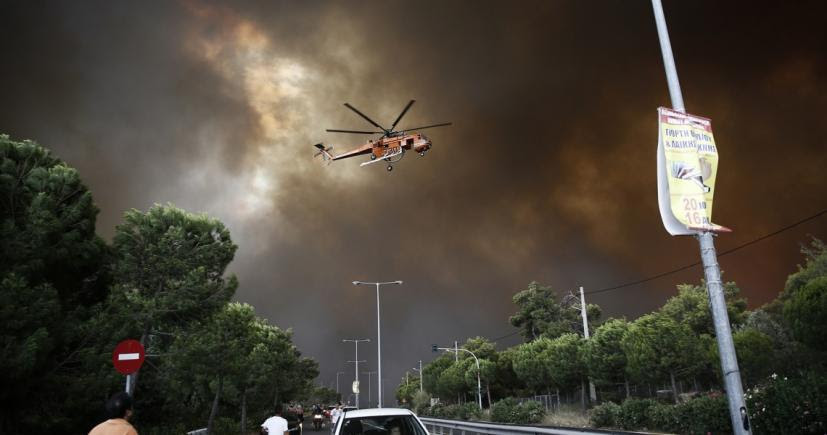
(689, 266)
(720, 254)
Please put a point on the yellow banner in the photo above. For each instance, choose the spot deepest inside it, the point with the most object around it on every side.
(691, 164)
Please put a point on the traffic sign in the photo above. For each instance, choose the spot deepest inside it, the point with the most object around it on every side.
(356, 387)
(128, 356)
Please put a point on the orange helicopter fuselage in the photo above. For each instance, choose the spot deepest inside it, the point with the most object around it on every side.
(417, 142)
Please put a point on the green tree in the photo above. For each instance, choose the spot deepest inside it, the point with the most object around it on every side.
(806, 312)
(407, 389)
(506, 383)
(657, 347)
(531, 364)
(604, 356)
(540, 313)
(52, 279)
(433, 372)
(565, 363)
(815, 266)
(691, 307)
(756, 354)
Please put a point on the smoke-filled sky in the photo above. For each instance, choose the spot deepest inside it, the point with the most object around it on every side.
(547, 174)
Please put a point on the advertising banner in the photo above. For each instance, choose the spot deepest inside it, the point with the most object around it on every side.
(687, 168)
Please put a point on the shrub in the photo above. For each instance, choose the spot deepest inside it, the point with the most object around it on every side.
(532, 412)
(606, 414)
(634, 413)
(468, 411)
(702, 415)
(510, 411)
(794, 405)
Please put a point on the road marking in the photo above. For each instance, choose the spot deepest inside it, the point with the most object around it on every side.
(128, 356)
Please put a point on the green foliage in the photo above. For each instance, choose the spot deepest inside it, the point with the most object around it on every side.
(407, 389)
(509, 410)
(170, 265)
(756, 354)
(657, 346)
(539, 313)
(52, 279)
(806, 313)
(565, 365)
(691, 307)
(606, 414)
(468, 411)
(815, 266)
(701, 415)
(636, 413)
(603, 354)
(421, 400)
(789, 405)
(531, 364)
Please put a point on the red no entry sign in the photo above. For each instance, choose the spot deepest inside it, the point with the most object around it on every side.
(128, 356)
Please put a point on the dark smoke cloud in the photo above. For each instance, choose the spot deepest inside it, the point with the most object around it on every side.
(547, 173)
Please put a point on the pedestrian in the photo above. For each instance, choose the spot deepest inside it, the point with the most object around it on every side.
(275, 425)
(119, 410)
(334, 416)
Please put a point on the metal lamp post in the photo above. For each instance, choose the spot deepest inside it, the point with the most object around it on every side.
(419, 370)
(337, 382)
(356, 362)
(370, 374)
(479, 384)
(378, 332)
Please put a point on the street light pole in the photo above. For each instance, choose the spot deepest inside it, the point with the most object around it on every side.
(419, 370)
(378, 332)
(337, 382)
(356, 362)
(479, 384)
(369, 383)
(723, 333)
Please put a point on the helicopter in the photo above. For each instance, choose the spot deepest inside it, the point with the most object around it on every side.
(390, 147)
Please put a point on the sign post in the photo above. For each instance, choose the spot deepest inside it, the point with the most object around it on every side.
(729, 363)
(127, 358)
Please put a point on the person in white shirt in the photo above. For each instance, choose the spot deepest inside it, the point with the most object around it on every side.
(275, 425)
(334, 416)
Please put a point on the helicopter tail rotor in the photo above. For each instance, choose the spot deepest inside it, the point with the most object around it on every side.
(324, 153)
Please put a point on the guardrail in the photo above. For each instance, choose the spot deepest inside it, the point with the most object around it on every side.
(457, 427)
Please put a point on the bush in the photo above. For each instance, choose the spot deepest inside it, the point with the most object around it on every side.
(468, 411)
(702, 415)
(794, 405)
(510, 411)
(606, 414)
(635, 413)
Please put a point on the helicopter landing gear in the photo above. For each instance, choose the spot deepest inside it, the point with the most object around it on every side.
(373, 156)
(422, 154)
(390, 168)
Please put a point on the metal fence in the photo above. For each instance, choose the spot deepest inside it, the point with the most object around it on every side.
(455, 427)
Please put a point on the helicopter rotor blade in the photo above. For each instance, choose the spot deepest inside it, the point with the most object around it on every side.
(366, 117)
(428, 126)
(354, 131)
(404, 111)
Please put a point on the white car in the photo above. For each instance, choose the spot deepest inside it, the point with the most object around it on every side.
(379, 421)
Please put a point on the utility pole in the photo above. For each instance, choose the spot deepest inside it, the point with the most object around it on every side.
(592, 392)
(378, 332)
(369, 383)
(337, 381)
(356, 362)
(422, 376)
(723, 333)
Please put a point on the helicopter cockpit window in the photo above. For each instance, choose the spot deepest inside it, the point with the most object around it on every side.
(410, 142)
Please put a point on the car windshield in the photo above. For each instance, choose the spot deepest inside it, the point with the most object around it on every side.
(383, 425)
